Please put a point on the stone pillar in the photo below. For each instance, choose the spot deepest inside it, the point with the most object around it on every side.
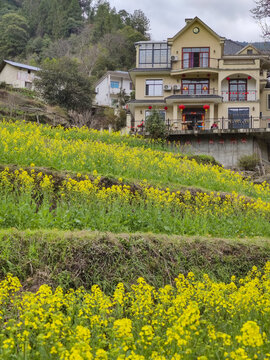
(211, 115)
(175, 122)
(128, 122)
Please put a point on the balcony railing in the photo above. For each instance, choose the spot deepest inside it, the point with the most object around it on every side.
(187, 90)
(248, 122)
(250, 95)
(206, 63)
(176, 126)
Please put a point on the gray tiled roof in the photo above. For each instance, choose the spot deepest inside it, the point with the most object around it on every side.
(23, 66)
(231, 47)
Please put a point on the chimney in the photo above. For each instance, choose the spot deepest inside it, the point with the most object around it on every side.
(188, 20)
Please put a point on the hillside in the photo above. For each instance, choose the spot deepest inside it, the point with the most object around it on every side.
(93, 33)
(24, 104)
(121, 247)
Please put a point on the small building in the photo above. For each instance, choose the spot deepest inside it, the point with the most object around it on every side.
(18, 75)
(108, 88)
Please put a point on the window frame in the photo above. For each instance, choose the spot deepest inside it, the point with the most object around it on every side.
(162, 92)
(237, 91)
(191, 59)
(147, 113)
(268, 101)
(196, 83)
(115, 82)
(150, 51)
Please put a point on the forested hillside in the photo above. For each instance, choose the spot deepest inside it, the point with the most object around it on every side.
(93, 33)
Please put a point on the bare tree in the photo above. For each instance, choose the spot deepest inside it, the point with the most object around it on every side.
(261, 12)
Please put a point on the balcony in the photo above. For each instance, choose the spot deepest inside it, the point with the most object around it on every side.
(246, 124)
(239, 96)
(201, 65)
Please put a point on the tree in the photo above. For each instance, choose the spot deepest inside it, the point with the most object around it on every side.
(155, 126)
(140, 22)
(87, 8)
(61, 83)
(14, 34)
(260, 13)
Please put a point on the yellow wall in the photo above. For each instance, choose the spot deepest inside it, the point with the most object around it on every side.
(202, 39)
(233, 67)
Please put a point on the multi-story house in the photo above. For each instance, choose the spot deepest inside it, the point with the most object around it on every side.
(111, 86)
(198, 78)
(18, 75)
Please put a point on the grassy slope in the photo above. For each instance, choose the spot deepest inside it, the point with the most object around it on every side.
(72, 259)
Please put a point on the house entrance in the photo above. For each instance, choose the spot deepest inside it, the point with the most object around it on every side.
(193, 119)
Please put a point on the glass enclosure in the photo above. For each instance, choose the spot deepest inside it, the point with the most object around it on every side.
(154, 55)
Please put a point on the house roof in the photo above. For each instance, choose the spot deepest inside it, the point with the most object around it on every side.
(123, 74)
(232, 47)
(246, 47)
(189, 24)
(19, 65)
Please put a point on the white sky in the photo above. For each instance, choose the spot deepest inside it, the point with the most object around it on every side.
(229, 18)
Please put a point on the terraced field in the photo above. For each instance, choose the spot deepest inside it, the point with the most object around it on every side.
(171, 251)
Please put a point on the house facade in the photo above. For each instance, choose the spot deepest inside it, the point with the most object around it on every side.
(18, 75)
(199, 80)
(108, 88)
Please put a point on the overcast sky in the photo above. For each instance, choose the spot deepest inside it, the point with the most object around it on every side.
(229, 18)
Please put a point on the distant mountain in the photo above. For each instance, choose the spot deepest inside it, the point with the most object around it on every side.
(263, 46)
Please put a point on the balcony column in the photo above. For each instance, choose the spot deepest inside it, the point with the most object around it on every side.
(175, 119)
(210, 119)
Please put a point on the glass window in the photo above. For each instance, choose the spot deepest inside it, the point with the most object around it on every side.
(161, 112)
(154, 55)
(195, 57)
(154, 87)
(238, 90)
(195, 87)
(239, 118)
(115, 84)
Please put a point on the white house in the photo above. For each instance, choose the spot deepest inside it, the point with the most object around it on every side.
(18, 75)
(109, 86)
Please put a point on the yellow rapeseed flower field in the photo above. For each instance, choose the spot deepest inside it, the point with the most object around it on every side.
(191, 320)
(27, 143)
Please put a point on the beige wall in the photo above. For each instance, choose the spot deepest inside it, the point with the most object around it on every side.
(264, 102)
(15, 76)
(233, 67)
(202, 39)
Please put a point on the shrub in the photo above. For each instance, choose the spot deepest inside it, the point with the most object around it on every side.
(155, 125)
(248, 162)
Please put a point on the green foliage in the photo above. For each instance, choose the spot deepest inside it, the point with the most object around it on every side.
(155, 125)
(98, 36)
(120, 122)
(248, 162)
(159, 259)
(61, 83)
(140, 22)
(14, 34)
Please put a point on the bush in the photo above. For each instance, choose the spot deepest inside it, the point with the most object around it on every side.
(248, 162)
(155, 125)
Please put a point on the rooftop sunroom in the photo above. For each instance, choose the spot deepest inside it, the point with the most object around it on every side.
(152, 54)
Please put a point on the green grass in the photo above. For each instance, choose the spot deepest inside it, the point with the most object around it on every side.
(73, 259)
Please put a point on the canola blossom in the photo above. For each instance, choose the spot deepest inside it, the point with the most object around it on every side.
(194, 319)
(26, 143)
(33, 200)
